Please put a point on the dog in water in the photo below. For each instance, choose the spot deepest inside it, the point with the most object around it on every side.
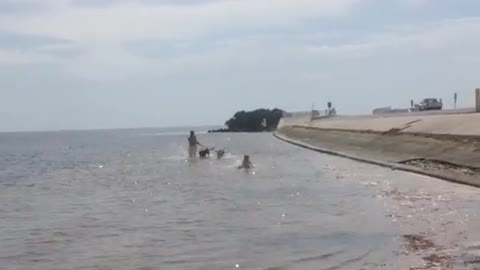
(220, 153)
(204, 153)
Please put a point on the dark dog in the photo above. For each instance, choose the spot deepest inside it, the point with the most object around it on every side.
(204, 153)
(220, 153)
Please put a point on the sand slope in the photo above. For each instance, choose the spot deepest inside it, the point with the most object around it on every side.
(451, 141)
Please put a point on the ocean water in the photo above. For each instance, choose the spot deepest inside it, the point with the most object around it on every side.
(130, 199)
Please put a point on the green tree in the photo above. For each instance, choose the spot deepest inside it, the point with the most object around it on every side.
(251, 121)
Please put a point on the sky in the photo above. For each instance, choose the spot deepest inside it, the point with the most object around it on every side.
(89, 64)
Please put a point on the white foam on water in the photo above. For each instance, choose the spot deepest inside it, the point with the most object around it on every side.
(178, 158)
(230, 156)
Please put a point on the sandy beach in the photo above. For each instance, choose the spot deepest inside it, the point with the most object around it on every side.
(444, 145)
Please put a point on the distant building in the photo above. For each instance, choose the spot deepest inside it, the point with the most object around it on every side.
(382, 110)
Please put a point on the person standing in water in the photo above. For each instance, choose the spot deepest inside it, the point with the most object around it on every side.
(192, 144)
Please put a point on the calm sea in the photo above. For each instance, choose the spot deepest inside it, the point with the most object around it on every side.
(130, 199)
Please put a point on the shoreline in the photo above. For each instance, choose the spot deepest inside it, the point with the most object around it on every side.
(453, 158)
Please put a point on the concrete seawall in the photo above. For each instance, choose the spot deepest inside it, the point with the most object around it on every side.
(445, 145)
(451, 124)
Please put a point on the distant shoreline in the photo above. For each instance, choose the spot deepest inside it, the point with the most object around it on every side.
(226, 130)
(186, 129)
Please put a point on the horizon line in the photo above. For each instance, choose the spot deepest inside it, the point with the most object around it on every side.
(108, 129)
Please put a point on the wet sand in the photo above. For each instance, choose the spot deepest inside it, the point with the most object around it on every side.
(436, 219)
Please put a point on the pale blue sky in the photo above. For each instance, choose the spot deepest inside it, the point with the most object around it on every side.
(82, 64)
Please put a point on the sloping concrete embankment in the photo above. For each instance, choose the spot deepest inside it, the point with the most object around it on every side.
(442, 146)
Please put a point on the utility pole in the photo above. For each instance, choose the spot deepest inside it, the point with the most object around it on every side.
(477, 100)
(311, 112)
(455, 100)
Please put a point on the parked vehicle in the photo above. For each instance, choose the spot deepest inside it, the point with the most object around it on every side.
(429, 104)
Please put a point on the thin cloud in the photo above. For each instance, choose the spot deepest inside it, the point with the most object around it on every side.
(16, 57)
(9, 40)
(130, 21)
(448, 34)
